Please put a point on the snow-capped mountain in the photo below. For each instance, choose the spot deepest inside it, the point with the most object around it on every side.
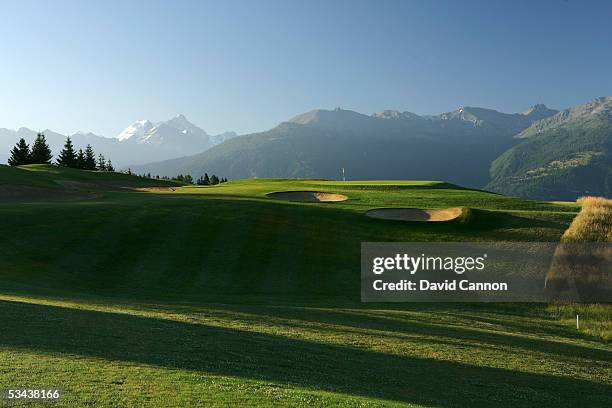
(176, 136)
(136, 130)
(142, 142)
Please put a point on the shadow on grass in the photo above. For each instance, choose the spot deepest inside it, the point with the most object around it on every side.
(501, 219)
(243, 354)
(415, 325)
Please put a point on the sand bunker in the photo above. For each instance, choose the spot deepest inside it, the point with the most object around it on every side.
(416, 214)
(309, 196)
(156, 189)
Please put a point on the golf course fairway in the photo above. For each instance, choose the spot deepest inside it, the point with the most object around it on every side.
(126, 291)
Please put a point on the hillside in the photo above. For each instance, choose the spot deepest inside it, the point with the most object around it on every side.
(49, 182)
(222, 296)
(562, 157)
(456, 146)
(233, 240)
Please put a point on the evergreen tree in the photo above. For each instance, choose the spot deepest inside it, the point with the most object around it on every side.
(188, 179)
(90, 158)
(80, 160)
(101, 162)
(109, 166)
(67, 157)
(214, 180)
(206, 181)
(20, 154)
(41, 153)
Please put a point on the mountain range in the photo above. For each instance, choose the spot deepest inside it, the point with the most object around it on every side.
(456, 146)
(141, 142)
(540, 153)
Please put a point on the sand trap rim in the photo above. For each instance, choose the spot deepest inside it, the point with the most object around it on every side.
(410, 214)
(307, 196)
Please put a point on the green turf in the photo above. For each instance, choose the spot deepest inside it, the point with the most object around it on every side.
(62, 178)
(222, 296)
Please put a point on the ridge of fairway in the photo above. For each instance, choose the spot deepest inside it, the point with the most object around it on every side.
(37, 182)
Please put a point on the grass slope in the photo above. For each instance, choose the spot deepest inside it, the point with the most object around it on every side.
(593, 223)
(48, 182)
(220, 296)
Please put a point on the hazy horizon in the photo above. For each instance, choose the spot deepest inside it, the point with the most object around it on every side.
(114, 136)
(245, 67)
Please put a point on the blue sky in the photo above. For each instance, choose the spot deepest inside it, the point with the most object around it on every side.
(248, 65)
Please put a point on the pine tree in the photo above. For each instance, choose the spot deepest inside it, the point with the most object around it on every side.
(20, 154)
(67, 157)
(41, 153)
(214, 180)
(109, 166)
(101, 162)
(188, 179)
(80, 160)
(90, 158)
(206, 181)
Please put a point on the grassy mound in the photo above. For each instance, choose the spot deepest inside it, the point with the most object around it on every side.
(593, 223)
(36, 182)
(581, 265)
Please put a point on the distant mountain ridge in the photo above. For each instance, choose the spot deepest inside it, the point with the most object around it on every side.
(456, 146)
(563, 156)
(539, 153)
(141, 142)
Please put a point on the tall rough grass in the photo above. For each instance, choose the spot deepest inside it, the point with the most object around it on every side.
(593, 223)
(583, 267)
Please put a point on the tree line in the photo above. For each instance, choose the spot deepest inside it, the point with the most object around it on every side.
(204, 180)
(83, 159)
(207, 181)
(41, 154)
(86, 160)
